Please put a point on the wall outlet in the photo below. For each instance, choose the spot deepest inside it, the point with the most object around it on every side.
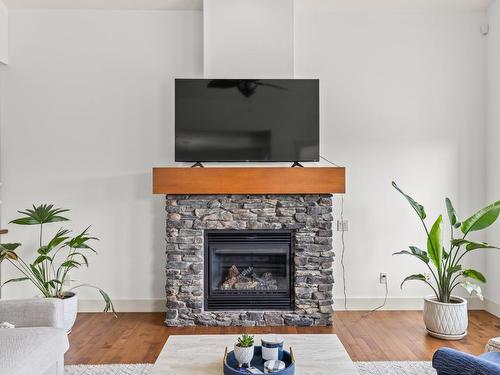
(427, 276)
(383, 278)
(342, 225)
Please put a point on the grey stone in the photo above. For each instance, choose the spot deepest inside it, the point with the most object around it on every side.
(301, 217)
(326, 309)
(214, 204)
(173, 216)
(281, 211)
(319, 210)
(196, 267)
(171, 314)
(309, 216)
(325, 201)
(190, 232)
(273, 319)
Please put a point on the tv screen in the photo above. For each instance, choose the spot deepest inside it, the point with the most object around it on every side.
(246, 120)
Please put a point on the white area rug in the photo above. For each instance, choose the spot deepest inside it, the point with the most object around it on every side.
(136, 369)
(365, 368)
(395, 368)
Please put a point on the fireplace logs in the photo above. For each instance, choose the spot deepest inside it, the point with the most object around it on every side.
(248, 280)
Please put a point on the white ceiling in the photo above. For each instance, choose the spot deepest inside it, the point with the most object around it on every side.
(105, 4)
(301, 4)
(332, 5)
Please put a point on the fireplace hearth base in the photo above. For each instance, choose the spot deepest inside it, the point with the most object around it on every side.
(305, 219)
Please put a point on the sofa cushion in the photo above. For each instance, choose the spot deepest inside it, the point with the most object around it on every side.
(31, 350)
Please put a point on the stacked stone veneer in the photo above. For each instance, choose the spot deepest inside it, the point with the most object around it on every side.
(310, 216)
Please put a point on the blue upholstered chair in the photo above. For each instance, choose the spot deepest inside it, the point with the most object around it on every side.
(452, 362)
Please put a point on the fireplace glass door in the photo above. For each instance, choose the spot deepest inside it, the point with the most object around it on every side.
(248, 270)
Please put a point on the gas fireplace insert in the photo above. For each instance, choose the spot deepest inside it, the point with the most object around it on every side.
(248, 270)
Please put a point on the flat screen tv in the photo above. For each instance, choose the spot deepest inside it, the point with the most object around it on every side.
(246, 120)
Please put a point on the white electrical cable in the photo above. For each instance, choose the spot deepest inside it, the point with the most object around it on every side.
(344, 287)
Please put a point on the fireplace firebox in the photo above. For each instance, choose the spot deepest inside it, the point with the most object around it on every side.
(248, 270)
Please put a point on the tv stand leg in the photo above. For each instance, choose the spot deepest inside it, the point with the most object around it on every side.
(296, 164)
(197, 164)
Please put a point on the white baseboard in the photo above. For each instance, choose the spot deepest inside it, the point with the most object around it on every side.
(123, 305)
(353, 304)
(492, 307)
(393, 303)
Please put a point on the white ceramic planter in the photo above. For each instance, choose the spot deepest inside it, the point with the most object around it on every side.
(70, 306)
(243, 355)
(446, 321)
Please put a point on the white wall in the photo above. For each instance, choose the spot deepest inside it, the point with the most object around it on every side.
(4, 31)
(493, 157)
(248, 38)
(402, 99)
(86, 112)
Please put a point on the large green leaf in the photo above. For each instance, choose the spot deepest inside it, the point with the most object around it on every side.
(416, 252)
(472, 288)
(418, 277)
(481, 219)
(453, 269)
(435, 242)
(473, 274)
(419, 209)
(452, 215)
(471, 245)
(42, 214)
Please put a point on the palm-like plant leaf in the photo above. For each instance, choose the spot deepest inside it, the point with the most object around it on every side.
(80, 241)
(18, 279)
(7, 251)
(50, 268)
(9, 246)
(42, 214)
(108, 303)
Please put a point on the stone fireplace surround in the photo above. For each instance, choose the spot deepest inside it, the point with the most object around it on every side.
(310, 216)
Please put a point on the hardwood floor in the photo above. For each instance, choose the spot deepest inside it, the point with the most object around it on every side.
(380, 336)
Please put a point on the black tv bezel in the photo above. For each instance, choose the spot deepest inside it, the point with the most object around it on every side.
(249, 161)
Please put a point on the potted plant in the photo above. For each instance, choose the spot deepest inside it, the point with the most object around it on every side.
(244, 350)
(445, 314)
(49, 272)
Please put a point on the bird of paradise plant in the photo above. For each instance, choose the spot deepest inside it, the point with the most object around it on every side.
(444, 265)
(49, 272)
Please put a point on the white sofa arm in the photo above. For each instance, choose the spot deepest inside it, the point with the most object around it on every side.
(36, 312)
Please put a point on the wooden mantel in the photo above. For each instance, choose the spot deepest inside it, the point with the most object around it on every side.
(308, 180)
